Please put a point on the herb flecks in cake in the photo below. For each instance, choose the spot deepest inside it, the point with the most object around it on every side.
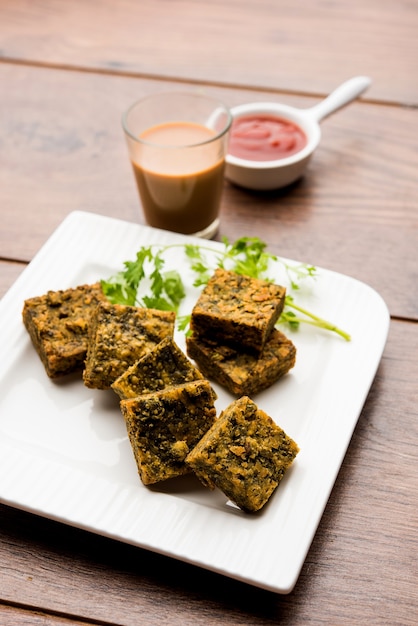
(237, 309)
(164, 426)
(119, 335)
(58, 324)
(163, 366)
(244, 454)
(240, 371)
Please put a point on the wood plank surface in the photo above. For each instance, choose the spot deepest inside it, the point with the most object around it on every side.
(63, 149)
(278, 44)
(13, 616)
(67, 72)
(352, 569)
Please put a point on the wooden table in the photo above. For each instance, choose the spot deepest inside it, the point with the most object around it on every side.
(67, 72)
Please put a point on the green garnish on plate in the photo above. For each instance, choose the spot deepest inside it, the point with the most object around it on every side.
(165, 289)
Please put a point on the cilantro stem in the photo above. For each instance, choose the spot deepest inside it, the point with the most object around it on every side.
(315, 320)
(247, 256)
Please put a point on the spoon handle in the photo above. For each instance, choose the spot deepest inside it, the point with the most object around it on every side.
(338, 98)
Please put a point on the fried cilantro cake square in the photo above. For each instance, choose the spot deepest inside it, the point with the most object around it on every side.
(58, 323)
(165, 425)
(238, 310)
(244, 454)
(243, 372)
(163, 366)
(119, 335)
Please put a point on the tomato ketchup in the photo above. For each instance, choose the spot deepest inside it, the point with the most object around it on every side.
(265, 138)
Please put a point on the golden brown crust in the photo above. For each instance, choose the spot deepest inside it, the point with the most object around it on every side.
(164, 426)
(244, 454)
(243, 372)
(58, 324)
(164, 366)
(237, 310)
(119, 335)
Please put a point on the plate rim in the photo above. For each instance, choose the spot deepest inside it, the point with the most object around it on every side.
(11, 457)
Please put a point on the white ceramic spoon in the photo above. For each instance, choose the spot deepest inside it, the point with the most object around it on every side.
(263, 175)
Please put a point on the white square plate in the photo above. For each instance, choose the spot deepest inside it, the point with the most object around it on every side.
(64, 451)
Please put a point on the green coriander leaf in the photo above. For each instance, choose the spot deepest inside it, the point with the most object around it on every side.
(288, 317)
(173, 287)
(158, 302)
(118, 291)
(134, 271)
(192, 251)
(199, 265)
(247, 256)
(183, 323)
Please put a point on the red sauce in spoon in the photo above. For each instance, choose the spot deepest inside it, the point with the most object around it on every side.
(265, 138)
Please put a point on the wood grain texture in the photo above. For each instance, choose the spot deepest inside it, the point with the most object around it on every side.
(63, 149)
(304, 46)
(13, 616)
(67, 71)
(361, 568)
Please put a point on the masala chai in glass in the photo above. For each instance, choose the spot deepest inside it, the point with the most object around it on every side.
(177, 145)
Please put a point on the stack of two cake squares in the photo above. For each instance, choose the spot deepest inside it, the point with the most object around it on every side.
(234, 340)
(245, 453)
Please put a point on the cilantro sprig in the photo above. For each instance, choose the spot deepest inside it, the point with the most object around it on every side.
(166, 289)
(293, 320)
(145, 282)
(248, 256)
